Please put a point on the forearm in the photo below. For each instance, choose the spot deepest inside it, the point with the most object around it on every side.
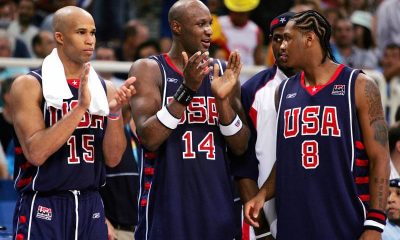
(248, 189)
(379, 182)
(238, 142)
(114, 143)
(267, 190)
(153, 132)
(43, 143)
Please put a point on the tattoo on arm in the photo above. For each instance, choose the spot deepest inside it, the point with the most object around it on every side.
(375, 113)
(381, 184)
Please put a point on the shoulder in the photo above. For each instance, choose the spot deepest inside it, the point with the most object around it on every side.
(26, 85)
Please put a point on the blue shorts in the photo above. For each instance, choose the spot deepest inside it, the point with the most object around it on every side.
(62, 215)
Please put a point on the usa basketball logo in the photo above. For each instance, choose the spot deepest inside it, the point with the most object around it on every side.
(44, 213)
(339, 90)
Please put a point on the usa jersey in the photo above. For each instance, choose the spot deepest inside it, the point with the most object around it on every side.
(78, 164)
(186, 190)
(322, 168)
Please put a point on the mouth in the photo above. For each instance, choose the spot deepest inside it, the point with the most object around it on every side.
(283, 57)
(206, 43)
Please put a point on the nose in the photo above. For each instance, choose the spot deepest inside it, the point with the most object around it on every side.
(90, 39)
(282, 47)
(209, 30)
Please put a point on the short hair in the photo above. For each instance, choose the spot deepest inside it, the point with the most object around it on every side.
(394, 136)
(5, 87)
(36, 40)
(313, 21)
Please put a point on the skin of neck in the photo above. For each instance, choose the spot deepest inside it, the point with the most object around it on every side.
(73, 70)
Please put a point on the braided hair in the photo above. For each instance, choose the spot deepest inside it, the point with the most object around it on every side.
(313, 21)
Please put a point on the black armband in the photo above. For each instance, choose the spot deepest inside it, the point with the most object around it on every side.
(184, 95)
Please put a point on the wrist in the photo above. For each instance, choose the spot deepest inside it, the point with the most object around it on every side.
(114, 115)
(184, 95)
(232, 128)
(376, 220)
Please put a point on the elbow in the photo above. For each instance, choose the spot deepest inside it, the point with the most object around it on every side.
(113, 161)
(35, 157)
(240, 149)
(151, 146)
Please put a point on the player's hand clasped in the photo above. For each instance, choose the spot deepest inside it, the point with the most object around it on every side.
(122, 95)
(222, 86)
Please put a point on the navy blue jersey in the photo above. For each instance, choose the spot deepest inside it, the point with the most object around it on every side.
(185, 186)
(78, 164)
(322, 168)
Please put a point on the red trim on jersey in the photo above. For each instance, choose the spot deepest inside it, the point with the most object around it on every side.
(364, 197)
(23, 182)
(22, 219)
(147, 185)
(171, 64)
(312, 90)
(150, 155)
(253, 116)
(143, 202)
(245, 231)
(74, 82)
(18, 150)
(149, 171)
(362, 180)
(20, 236)
(376, 215)
(359, 145)
(362, 162)
(25, 166)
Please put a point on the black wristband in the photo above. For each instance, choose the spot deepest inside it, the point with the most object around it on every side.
(184, 95)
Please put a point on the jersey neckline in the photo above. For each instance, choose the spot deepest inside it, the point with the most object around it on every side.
(171, 64)
(312, 90)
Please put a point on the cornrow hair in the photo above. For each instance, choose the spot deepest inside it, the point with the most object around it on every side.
(313, 21)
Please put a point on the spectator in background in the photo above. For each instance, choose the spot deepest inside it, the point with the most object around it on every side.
(394, 147)
(392, 229)
(333, 14)
(388, 24)
(147, 49)
(23, 27)
(6, 51)
(362, 24)
(120, 194)
(391, 61)
(304, 5)
(241, 33)
(43, 43)
(344, 49)
(135, 33)
(105, 53)
(7, 13)
(47, 21)
(3, 164)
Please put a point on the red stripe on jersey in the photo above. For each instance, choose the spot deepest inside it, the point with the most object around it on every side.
(150, 155)
(23, 182)
(74, 82)
(361, 162)
(364, 197)
(149, 171)
(245, 231)
(253, 116)
(359, 145)
(147, 185)
(18, 150)
(143, 202)
(376, 215)
(25, 166)
(362, 180)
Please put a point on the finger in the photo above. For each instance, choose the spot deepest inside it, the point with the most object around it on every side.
(229, 65)
(216, 71)
(201, 59)
(85, 74)
(234, 60)
(205, 63)
(194, 59)
(130, 81)
(185, 58)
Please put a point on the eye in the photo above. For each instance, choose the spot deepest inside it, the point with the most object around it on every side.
(277, 39)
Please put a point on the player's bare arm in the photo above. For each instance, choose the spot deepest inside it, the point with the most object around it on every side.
(147, 102)
(226, 90)
(114, 142)
(37, 141)
(248, 189)
(374, 130)
(253, 207)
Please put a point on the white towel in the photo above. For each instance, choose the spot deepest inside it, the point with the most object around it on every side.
(55, 86)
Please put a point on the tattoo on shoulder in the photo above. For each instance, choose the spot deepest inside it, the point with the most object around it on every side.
(375, 111)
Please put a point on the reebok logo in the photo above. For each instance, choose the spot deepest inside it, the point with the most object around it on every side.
(44, 213)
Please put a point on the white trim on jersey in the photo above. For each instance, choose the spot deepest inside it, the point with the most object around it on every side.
(349, 89)
(165, 85)
(30, 216)
(121, 174)
(220, 67)
(374, 223)
(140, 182)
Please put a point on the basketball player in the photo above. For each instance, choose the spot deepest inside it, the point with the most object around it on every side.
(60, 153)
(252, 169)
(332, 167)
(185, 119)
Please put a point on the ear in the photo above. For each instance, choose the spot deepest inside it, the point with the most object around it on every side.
(398, 146)
(59, 37)
(176, 27)
(309, 38)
